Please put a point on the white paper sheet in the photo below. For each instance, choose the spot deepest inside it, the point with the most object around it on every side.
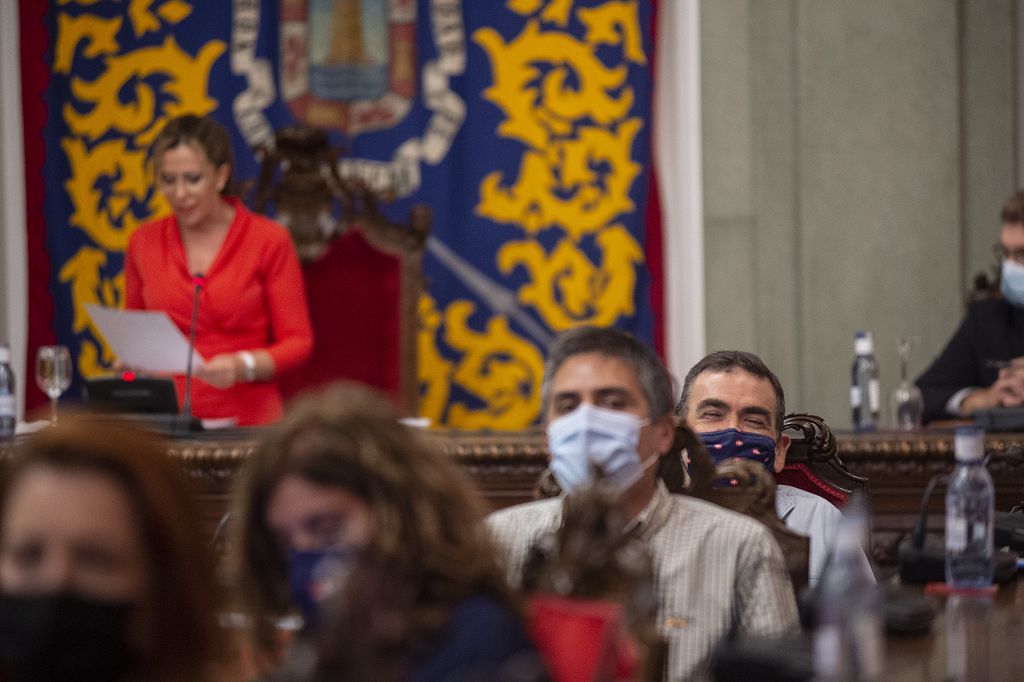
(144, 339)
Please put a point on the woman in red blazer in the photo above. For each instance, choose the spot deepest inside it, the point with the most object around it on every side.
(253, 321)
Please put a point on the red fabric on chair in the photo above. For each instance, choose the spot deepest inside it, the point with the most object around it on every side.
(581, 639)
(799, 475)
(354, 293)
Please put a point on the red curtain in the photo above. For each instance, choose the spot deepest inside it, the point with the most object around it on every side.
(35, 78)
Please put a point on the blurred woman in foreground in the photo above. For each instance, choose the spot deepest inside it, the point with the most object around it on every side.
(103, 574)
(377, 539)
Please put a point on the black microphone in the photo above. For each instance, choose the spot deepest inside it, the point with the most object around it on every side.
(198, 281)
(920, 563)
(920, 532)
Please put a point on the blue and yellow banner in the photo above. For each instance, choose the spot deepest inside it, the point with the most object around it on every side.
(525, 125)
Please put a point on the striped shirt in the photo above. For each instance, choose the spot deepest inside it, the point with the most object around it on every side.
(716, 572)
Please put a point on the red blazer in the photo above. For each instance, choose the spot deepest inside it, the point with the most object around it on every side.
(253, 299)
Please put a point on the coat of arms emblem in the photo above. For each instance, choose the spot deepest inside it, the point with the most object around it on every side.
(348, 65)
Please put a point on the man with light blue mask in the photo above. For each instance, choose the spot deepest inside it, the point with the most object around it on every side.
(982, 366)
(736, 406)
(607, 400)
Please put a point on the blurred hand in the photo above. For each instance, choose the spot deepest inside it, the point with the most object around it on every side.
(1009, 387)
(1006, 391)
(220, 371)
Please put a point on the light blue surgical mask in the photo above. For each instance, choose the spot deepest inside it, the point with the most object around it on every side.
(592, 437)
(1011, 282)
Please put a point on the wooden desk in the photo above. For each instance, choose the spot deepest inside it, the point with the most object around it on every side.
(971, 639)
(505, 466)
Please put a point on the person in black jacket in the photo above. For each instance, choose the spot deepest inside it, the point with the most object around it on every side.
(982, 366)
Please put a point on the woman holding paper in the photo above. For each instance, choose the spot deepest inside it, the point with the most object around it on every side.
(252, 320)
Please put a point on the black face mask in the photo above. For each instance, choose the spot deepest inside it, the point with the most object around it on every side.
(52, 637)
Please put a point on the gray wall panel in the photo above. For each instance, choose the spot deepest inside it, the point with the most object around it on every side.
(877, 135)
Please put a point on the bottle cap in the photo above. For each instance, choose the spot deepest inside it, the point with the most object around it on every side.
(864, 343)
(5, 353)
(969, 443)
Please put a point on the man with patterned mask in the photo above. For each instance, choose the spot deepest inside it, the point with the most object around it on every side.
(736, 406)
(607, 401)
(982, 366)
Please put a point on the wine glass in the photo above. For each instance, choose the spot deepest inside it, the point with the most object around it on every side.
(907, 401)
(53, 373)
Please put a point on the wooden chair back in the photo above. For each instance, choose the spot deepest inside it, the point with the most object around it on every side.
(363, 272)
(812, 463)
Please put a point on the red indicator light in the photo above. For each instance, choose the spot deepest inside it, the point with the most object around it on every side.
(128, 376)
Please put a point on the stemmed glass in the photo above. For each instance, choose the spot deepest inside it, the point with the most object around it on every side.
(53, 373)
(907, 401)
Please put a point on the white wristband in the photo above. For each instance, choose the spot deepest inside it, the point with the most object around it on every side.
(249, 360)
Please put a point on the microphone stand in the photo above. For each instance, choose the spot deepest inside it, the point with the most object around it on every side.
(190, 423)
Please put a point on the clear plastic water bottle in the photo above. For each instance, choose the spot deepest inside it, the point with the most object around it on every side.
(848, 634)
(969, 632)
(969, 514)
(864, 392)
(8, 408)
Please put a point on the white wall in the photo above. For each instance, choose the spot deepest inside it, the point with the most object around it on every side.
(856, 154)
(13, 298)
(677, 144)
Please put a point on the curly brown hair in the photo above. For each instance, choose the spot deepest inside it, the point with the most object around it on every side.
(427, 520)
(185, 638)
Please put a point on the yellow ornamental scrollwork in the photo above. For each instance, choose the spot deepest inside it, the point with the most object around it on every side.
(108, 218)
(174, 11)
(186, 84)
(535, 111)
(555, 11)
(561, 186)
(145, 21)
(435, 373)
(87, 284)
(502, 369)
(615, 23)
(567, 289)
(98, 35)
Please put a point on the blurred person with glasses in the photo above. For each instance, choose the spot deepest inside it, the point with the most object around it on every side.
(982, 366)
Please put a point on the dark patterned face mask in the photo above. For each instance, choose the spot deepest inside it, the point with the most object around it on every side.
(728, 443)
(53, 637)
(314, 576)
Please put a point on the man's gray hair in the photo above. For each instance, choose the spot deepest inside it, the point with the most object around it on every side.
(651, 374)
(726, 361)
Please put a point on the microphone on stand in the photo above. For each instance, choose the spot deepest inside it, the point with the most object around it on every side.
(191, 424)
(921, 563)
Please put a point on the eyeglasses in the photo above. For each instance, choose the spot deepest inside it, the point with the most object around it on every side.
(1001, 254)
